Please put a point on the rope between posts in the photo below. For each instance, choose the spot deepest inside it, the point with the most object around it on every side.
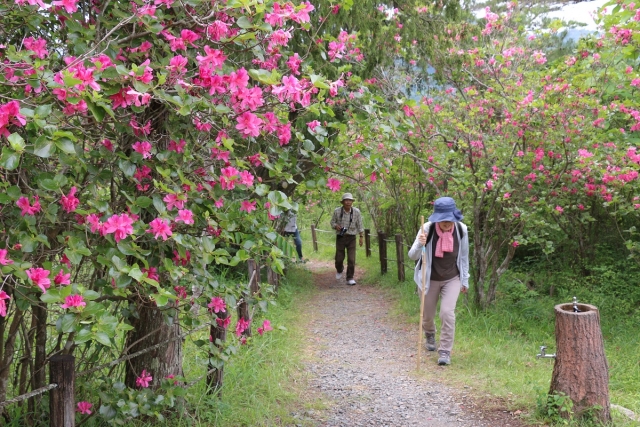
(138, 353)
(28, 395)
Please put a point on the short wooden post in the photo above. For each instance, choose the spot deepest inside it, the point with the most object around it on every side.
(400, 257)
(382, 246)
(367, 242)
(580, 370)
(273, 279)
(243, 306)
(254, 285)
(218, 333)
(314, 238)
(62, 398)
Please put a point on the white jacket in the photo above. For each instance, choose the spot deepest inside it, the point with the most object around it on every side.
(415, 253)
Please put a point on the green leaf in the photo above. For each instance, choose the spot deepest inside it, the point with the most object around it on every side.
(97, 111)
(67, 323)
(44, 147)
(49, 184)
(66, 145)
(9, 159)
(103, 339)
(50, 297)
(16, 142)
(135, 272)
(161, 300)
(143, 201)
(127, 167)
(243, 22)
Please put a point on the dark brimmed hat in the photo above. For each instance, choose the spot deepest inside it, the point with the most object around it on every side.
(444, 209)
(347, 196)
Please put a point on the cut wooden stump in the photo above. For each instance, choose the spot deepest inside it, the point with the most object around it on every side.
(581, 371)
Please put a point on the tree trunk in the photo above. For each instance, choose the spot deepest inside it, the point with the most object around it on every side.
(581, 371)
(151, 328)
(218, 336)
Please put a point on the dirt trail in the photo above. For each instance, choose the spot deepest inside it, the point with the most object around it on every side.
(362, 361)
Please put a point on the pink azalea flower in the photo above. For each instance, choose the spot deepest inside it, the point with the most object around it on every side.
(185, 215)
(266, 326)
(143, 148)
(559, 209)
(223, 323)
(241, 326)
(177, 260)
(65, 260)
(249, 124)
(74, 301)
(40, 277)
(160, 228)
(3, 257)
(144, 379)
(107, 144)
(175, 200)
(246, 178)
(181, 292)
(515, 244)
(373, 177)
(152, 273)
(69, 5)
(217, 305)
(94, 221)
(84, 408)
(333, 184)
(313, 125)
(178, 147)
(62, 279)
(120, 225)
(70, 203)
(247, 206)
(219, 203)
(38, 46)
(3, 305)
(27, 209)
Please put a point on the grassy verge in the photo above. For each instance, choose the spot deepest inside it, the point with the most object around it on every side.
(495, 350)
(264, 383)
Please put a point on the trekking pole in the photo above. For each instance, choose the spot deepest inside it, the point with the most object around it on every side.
(424, 291)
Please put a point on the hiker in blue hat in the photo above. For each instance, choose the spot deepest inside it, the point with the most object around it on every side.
(446, 242)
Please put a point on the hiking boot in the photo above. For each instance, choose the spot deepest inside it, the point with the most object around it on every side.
(430, 343)
(444, 358)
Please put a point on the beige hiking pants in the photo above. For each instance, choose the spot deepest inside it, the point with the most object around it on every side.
(447, 292)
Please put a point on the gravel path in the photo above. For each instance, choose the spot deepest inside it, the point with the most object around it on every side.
(363, 362)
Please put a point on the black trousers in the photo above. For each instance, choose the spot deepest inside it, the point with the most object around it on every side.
(348, 243)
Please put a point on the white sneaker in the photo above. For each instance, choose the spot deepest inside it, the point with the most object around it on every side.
(351, 282)
(338, 276)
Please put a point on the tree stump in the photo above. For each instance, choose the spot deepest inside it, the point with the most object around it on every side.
(581, 371)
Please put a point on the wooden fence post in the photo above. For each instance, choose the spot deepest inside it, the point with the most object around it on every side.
(243, 306)
(580, 370)
(367, 242)
(62, 398)
(400, 257)
(314, 238)
(218, 334)
(382, 246)
(273, 279)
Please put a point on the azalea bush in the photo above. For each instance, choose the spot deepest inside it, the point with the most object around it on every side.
(144, 150)
(538, 153)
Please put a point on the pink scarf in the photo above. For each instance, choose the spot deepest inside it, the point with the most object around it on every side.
(445, 241)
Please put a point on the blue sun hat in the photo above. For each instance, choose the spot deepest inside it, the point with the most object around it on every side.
(444, 209)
